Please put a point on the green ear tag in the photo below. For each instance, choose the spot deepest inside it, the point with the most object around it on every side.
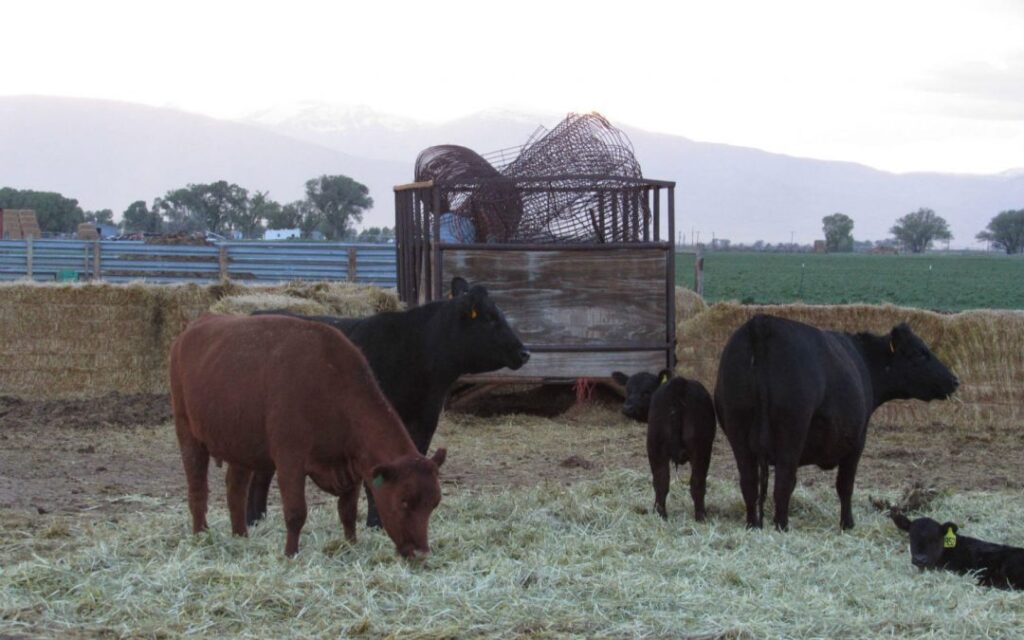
(949, 540)
(378, 480)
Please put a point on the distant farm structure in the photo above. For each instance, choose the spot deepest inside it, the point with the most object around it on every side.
(19, 224)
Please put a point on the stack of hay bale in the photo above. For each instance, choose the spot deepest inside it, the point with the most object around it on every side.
(77, 340)
(984, 348)
(18, 224)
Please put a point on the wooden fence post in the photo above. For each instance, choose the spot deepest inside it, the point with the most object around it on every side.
(28, 257)
(351, 272)
(96, 260)
(223, 262)
(698, 272)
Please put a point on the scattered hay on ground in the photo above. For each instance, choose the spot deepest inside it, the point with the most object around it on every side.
(549, 561)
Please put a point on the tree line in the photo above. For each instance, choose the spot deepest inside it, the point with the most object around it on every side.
(332, 205)
(918, 230)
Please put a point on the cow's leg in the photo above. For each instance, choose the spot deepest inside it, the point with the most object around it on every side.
(746, 464)
(662, 476)
(256, 504)
(196, 460)
(844, 487)
(785, 482)
(700, 460)
(291, 480)
(658, 456)
(372, 517)
(348, 510)
(237, 480)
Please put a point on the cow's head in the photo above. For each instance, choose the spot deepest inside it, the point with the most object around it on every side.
(912, 370)
(484, 339)
(639, 389)
(406, 492)
(928, 539)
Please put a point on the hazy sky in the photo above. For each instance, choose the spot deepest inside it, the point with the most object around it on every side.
(899, 85)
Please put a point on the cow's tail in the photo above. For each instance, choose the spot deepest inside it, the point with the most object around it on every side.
(676, 444)
(759, 336)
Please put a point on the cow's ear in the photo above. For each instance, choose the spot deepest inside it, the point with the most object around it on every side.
(620, 377)
(901, 521)
(896, 337)
(439, 457)
(468, 305)
(459, 287)
(664, 376)
(899, 334)
(381, 475)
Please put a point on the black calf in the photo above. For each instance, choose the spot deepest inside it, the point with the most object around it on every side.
(940, 546)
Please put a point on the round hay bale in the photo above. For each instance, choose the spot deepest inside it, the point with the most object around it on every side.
(688, 304)
(346, 299)
(244, 305)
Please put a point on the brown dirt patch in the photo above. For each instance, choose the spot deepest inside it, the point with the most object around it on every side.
(110, 410)
(117, 453)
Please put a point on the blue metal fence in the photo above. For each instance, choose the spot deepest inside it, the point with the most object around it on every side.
(124, 261)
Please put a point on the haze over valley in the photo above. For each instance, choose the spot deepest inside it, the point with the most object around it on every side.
(108, 154)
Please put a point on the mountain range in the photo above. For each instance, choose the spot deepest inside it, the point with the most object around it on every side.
(109, 154)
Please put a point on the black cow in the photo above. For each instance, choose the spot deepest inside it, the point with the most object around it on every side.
(789, 395)
(680, 429)
(940, 546)
(639, 389)
(416, 356)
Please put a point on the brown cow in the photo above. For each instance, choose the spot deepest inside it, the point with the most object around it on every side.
(266, 392)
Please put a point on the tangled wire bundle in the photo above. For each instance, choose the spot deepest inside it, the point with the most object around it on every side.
(557, 189)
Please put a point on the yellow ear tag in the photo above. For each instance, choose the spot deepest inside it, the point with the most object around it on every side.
(949, 541)
(892, 347)
(664, 378)
(472, 314)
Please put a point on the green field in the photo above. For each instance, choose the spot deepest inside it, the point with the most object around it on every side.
(931, 281)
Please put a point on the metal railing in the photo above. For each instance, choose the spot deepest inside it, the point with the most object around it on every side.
(123, 261)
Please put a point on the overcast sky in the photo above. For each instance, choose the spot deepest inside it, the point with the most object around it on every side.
(898, 85)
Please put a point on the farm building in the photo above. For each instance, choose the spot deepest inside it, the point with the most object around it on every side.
(282, 234)
(573, 243)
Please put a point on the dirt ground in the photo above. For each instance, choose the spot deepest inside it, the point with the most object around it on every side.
(117, 453)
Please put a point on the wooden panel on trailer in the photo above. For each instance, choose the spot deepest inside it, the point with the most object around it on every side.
(577, 365)
(594, 297)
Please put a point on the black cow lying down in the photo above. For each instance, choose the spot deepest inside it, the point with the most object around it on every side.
(680, 429)
(416, 356)
(940, 546)
(789, 394)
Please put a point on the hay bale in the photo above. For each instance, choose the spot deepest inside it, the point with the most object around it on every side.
(65, 340)
(984, 348)
(244, 305)
(345, 299)
(688, 304)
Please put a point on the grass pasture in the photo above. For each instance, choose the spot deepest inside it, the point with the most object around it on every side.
(931, 281)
